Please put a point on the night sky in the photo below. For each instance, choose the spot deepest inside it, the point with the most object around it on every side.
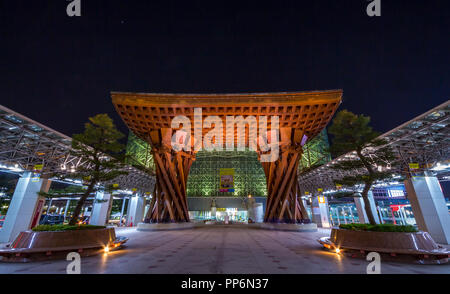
(60, 70)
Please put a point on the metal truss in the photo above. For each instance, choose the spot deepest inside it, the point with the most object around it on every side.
(424, 140)
(315, 152)
(139, 153)
(25, 143)
(136, 179)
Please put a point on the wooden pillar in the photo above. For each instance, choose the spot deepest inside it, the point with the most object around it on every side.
(283, 200)
(172, 169)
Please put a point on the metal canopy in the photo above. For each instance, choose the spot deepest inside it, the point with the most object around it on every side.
(25, 143)
(424, 140)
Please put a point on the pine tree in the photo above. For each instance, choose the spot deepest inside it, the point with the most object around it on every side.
(371, 159)
(100, 150)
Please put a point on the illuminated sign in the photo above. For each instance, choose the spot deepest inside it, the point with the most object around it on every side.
(413, 166)
(226, 179)
(36, 173)
(35, 178)
(38, 167)
(396, 193)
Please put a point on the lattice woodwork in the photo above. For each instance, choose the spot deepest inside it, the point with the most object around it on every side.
(149, 116)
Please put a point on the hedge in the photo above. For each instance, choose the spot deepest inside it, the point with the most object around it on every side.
(53, 228)
(378, 228)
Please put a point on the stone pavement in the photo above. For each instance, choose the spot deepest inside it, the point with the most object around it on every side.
(222, 250)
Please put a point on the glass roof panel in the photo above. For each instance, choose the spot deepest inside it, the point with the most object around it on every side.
(12, 118)
(35, 128)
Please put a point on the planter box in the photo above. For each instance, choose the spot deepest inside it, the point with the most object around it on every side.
(29, 243)
(385, 242)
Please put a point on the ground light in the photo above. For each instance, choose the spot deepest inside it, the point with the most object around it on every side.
(338, 250)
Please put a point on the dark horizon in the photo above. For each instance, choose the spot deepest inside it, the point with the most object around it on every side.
(59, 70)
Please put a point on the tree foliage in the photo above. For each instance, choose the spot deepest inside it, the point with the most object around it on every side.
(102, 153)
(69, 191)
(371, 156)
(99, 146)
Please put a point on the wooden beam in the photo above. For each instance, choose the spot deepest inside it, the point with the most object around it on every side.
(166, 183)
(286, 177)
(272, 189)
(288, 189)
(176, 184)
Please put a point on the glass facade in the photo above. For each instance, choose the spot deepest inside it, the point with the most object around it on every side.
(138, 153)
(204, 176)
(315, 152)
(393, 207)
(200, 215)
(234, 215)
(343, 214)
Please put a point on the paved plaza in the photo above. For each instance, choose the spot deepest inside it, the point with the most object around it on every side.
(221, 250)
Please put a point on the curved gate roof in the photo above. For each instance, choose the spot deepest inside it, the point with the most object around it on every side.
(308, 112)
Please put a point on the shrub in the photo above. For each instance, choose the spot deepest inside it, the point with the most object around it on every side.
(379, 228)
(54, 228)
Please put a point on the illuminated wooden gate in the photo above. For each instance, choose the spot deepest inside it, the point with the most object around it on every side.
(301, 115)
